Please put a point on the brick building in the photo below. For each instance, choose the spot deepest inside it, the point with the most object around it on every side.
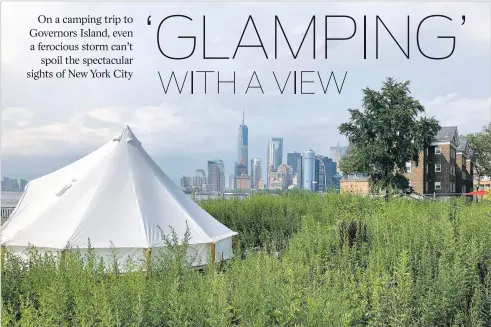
(484, 184)
(359, 186)
(445, 167)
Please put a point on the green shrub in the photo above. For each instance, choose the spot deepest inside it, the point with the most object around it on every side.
(308, 260)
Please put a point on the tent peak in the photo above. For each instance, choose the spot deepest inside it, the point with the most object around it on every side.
(127, 135)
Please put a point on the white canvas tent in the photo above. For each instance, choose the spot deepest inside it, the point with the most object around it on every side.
(117, 197)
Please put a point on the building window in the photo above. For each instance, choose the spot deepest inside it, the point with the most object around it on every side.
(464, 189)
(452, 153)
(426, 187)
(438, 186)
(452, 170)
(438, 150)
(463, 175)
(427, 168)
(438, 168)
(452, 187)
(408, 166)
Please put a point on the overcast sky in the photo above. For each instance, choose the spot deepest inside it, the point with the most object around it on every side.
(49, 123)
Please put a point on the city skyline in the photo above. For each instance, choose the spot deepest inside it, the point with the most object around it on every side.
(13, 184)
(309, 171)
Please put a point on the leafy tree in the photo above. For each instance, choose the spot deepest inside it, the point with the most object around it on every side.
(353, 162)
(480, 142)
(389, 132)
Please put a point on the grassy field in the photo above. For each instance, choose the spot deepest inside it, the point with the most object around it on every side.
(309, 260)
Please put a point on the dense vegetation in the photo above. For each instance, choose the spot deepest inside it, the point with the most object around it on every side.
(343, 261)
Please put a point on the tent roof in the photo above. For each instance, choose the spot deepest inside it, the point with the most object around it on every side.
(115, 196)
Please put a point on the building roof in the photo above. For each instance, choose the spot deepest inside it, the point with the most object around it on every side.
(451, 134)
(355, 177)
(472, 154)
(463, 144)
(446, 134)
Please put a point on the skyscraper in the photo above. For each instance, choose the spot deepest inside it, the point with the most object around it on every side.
(185, 182)
(286, 174)
(337, 153)
(330, 172)
(190, 184)
(292, 160)
(319, 178)
(278, 156)
(243, 144)
(275, 155)
(216, 175)
(308, 170)
(6, 184)
(15, 185)
(325, 169)
(256, 172)
(23, 184)
(269, 163)
(231, 182)
(300, 172)
(201, 173)
(241, 170)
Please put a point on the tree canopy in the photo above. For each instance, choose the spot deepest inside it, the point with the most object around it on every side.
(390, 131)
(480, 142)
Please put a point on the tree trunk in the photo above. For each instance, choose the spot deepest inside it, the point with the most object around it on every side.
(388, 182)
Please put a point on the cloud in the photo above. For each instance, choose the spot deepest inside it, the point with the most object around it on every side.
(85, 130)
(469, 114)
(16, 114)
(161, 128)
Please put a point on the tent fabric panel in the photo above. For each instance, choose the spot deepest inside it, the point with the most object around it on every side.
(55, 221)
(160, 211)
(198, 217)
(224, 249)
(113, 217)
